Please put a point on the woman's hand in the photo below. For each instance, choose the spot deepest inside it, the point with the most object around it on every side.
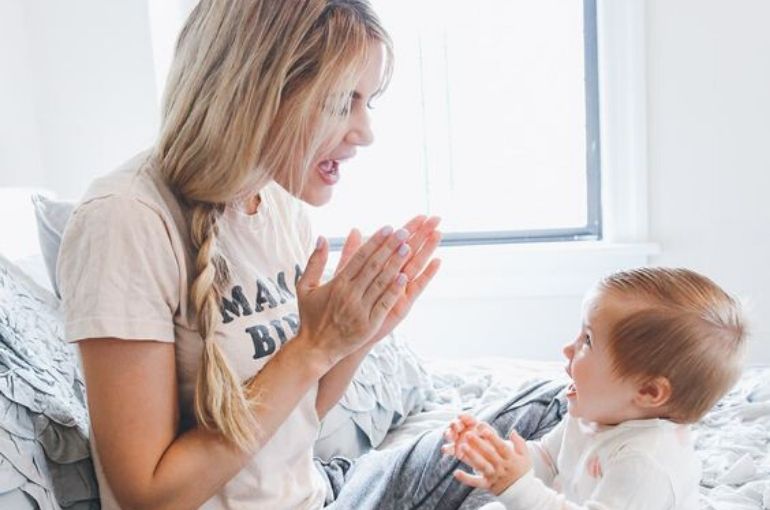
(498, 463)
(343, 314)
(417, 266)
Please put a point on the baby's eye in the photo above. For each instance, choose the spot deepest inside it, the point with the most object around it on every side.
(587, 339)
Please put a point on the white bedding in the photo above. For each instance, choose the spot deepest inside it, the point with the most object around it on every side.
(733, 439)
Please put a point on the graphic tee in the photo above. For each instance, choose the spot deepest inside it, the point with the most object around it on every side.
(125, 268)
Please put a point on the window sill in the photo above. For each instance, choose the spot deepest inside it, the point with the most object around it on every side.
(533, 269)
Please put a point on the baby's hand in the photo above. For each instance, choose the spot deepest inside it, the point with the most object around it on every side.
(456, 430)
(498, 463)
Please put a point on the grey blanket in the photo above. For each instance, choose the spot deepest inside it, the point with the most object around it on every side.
(417, 476)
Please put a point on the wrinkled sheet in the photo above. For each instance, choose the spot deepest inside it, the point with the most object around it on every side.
(733, 440)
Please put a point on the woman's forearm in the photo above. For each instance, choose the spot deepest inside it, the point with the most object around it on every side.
(277, 390)
(333, 384)
(147, 462)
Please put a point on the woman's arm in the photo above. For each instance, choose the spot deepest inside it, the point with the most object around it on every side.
(134, 410)
(422, 243)
(333, 384)
(133, 397)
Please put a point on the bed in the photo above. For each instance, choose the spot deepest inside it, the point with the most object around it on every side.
(44, 455)
(733, 440)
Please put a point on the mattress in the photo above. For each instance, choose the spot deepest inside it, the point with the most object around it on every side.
(733, 440)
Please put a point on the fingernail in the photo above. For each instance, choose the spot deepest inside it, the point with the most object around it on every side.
(385, 231)
(403, 249)
(402, 234)
(401, 279)
(319, 242)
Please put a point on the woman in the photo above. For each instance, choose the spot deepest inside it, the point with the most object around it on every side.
(190, 279)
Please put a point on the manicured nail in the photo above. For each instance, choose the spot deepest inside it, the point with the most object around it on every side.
(403, 249)
(401, 279)
(402, 234)
(385, 231)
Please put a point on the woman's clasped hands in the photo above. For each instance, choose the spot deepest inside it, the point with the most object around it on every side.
(374, 286)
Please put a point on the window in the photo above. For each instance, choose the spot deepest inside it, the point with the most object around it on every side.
(491, 122)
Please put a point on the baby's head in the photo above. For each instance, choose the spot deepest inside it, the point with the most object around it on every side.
(655, 342)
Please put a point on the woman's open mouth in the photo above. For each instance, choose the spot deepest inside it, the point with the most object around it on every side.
(328, 169)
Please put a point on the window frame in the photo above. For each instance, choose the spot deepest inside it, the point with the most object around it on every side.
(593, 230)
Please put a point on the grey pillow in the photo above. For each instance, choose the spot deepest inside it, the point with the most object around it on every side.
(389, 385)
(52, 216)
(44, 444)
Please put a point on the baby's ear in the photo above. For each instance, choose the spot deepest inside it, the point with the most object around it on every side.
(654, 393)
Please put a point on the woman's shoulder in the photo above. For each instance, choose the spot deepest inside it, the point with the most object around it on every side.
(135, 185)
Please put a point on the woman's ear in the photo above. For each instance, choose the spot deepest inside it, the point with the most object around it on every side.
(654, 393)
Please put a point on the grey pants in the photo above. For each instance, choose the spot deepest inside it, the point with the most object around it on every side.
(417, 476)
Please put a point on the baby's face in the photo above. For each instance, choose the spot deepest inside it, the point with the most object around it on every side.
(597, 394)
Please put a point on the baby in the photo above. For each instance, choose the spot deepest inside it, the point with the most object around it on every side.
(656, 350)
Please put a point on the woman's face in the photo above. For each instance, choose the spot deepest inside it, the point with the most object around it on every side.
(355, 131)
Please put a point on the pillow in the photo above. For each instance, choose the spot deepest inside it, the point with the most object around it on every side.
(389, 385)
(44, 448)
(52, 216)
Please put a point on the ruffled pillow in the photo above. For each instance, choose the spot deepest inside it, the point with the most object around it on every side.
(44, 449)
(390, 384)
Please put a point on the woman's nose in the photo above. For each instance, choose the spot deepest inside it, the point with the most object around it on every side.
(568, 351)
(360, 131)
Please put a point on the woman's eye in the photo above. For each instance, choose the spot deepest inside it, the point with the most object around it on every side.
(339, 108)
(587, 340)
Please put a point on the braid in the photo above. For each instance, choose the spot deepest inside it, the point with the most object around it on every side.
(220, 401)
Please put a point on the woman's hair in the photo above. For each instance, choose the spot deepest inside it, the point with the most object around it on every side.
(681, 326)
(255, 88)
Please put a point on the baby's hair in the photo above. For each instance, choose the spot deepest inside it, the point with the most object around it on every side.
(683, 327)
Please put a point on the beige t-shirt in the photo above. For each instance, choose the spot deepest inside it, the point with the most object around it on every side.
(125, 268)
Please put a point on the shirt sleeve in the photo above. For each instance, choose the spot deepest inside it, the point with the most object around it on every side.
(630, 482)
(545, 452)
(118, 274)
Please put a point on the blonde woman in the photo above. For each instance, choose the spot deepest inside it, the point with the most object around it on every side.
(190, 279)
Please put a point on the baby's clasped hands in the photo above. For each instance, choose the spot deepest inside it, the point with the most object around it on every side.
(497, 462)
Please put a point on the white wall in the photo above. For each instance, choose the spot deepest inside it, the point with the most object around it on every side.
(81, 87)
(709, 145)
(20, 160)
(517, 300)
(78, 94)
(705, 177)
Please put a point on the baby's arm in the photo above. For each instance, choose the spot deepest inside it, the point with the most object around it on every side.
(497, 462)
(505, 468)
(633, 482)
